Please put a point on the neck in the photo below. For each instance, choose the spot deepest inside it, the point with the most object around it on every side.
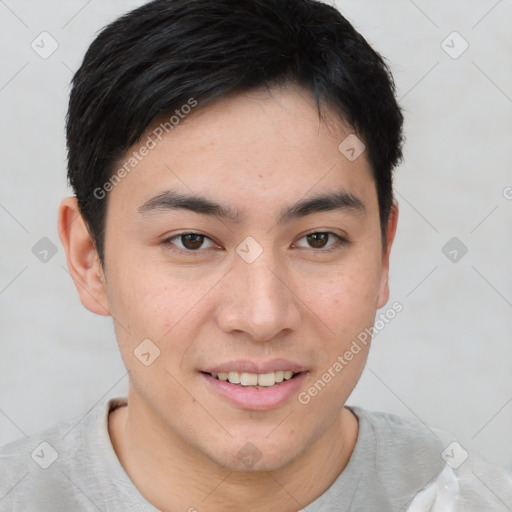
(174, 476)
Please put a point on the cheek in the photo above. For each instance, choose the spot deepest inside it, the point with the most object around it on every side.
(156, 318)
(346, 300)
(158, 303)
(149, 306)
(138, 300)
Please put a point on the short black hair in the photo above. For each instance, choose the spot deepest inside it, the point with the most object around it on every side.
(156, 58)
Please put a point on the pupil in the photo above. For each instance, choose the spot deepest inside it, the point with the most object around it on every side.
(316, 239)
(192, 241)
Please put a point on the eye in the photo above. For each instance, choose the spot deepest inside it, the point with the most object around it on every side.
(190, 242)
(320, 239)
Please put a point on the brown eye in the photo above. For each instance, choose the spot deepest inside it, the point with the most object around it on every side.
(189, 242)
(323, 240)
(192, 241)
(318, 240)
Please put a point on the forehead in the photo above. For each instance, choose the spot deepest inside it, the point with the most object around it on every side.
(259, 148)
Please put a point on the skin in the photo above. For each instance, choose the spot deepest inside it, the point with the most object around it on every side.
(178, 439)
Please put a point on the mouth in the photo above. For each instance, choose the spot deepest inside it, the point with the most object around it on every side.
(254, 380)
(255, 391)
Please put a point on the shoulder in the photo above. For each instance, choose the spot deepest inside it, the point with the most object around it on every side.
(29, 466)
(443, 475)
(39, 449)
(401, 439)
(397, 456)
(40, 469)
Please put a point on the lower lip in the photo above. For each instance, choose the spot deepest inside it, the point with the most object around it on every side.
(254, 399)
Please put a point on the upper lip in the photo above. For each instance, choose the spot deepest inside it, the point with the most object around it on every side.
(246, 366)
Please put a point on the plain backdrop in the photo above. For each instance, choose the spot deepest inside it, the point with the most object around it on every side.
(446, 358)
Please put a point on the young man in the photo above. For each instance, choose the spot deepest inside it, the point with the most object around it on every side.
(233, 213)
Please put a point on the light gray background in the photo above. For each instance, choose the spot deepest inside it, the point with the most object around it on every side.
(446, 358)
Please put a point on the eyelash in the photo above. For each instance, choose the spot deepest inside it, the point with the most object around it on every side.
(341, 242)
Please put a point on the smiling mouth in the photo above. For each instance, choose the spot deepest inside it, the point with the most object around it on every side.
(254, 380)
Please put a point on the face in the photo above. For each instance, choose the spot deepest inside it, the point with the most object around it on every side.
(245, 243)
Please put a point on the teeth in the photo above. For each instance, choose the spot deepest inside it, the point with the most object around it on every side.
(266, 379)
(255, 379)
(234, 377)
(249, 379)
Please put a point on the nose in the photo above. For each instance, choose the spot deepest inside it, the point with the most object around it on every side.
(258, 299)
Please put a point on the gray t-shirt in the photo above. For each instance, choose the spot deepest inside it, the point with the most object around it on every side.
(72, 466)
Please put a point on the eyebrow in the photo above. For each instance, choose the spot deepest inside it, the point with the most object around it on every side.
(170, 200)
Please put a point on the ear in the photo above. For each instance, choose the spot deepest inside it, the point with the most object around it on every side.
(383, 296)
(83, 262)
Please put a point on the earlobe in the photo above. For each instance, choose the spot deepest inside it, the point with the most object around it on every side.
(383, 296)
(82, 258)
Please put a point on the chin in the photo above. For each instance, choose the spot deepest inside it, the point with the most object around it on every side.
(256, 456)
